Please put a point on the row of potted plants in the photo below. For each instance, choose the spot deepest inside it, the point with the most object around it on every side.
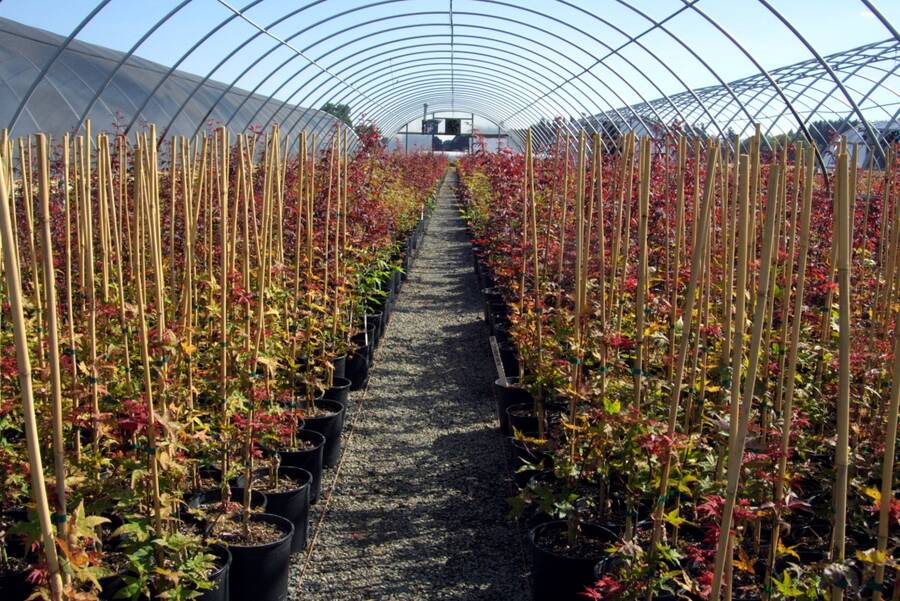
(700, 353)
(181, 333)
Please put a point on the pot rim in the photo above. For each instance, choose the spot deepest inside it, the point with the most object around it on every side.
(272, 519)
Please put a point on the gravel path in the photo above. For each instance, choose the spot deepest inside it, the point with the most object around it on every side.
(418, 510)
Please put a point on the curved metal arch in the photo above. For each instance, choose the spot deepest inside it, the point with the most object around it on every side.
(302, 101)
(434, 95)
(380, 86)
(848, 76)
(661, 26)
(339, 99)
(433, 87)
(233, 53)
(102, 88)
(393, 65)
(830, 72)
(600, 61)
(766, 74)
(844, 85)
(876, 86)
(458, 25)
(887, 24)
(806, 70)
(52, 61)
(397, 102)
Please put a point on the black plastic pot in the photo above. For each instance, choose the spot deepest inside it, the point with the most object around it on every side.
(219, 578)
(521, 417)
(506, 396)
(308, 459)
(340, 366)
(509, 358)
(556, 576)
(329, 426)
(522, 453)
(366, 340)
(387, 310)
(109, 587)
(382, 310)
(15, 585)
(210, 472)
(260, 572)
(373, 320)
(293, 505)
(358, 369)
(340, 390)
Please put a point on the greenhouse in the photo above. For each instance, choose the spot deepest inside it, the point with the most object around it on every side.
(449, 299)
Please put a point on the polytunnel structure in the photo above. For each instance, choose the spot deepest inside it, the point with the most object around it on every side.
(513, 300)
(608, 67)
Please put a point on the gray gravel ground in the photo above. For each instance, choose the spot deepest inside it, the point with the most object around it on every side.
(418, 510)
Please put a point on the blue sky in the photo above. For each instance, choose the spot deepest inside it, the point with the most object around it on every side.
(830, 25)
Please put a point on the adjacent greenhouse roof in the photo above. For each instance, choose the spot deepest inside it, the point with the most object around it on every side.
(601, 65)
(116, 91)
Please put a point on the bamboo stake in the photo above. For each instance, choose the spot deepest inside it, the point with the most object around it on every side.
(141, 211)
(538, 288)
(679, 242)
(88, 239)
(736, 450)
(28, 201)
(70, 318)
(222, 139)
(640, 300)
(841, 459)
(32, 439)
(601, 252)
(53, 333)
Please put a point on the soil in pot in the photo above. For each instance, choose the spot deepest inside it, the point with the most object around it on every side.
(329, 422)
(261, 561)
(14, 582)
(288, 498)
(506, 395)
(340, 390)
(210, 502)
(561, 572)
(308, 456)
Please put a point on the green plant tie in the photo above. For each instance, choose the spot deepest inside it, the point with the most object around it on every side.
(636, 371)
(58, 518)
(91, 380)
(873, 585)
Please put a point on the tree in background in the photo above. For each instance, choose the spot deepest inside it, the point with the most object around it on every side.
(341, 111)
